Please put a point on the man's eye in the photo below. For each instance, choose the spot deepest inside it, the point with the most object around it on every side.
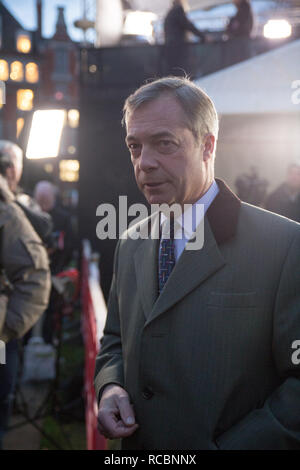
(167, 146)
(134, 148)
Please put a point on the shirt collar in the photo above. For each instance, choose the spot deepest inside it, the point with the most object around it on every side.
(188, 221)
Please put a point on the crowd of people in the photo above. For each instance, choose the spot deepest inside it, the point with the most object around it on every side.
(36, 242)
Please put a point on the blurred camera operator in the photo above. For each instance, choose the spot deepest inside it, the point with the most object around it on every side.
(11, 167)
(24, 275)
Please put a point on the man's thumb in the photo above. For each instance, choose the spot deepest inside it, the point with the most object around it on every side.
(126, 411)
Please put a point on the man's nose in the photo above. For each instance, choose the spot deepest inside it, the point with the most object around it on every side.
(147, 159)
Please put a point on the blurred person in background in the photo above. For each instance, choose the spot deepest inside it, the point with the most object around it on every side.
(251, 187)
(176, 27)
(239, 31)
(11, 164)
(285, 200)
(24, 288)
(11, 167)
(46, 196)
(241, 24)
(61, 250)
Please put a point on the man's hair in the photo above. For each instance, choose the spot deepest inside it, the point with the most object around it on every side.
(10, 155)
(45, 187)
(200, 112)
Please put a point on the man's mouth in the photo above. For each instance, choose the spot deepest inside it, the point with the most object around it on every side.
(153, 185)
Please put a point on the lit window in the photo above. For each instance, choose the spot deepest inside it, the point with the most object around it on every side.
(4, 71)
(20, 125)
(23, 43)
(25, 99)
(69, 170)
(32, 72)
(73, 116)
(16, 71)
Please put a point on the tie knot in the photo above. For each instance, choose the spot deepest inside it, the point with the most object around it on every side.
(168, 229)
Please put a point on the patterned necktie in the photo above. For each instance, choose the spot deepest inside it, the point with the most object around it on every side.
(166, 258)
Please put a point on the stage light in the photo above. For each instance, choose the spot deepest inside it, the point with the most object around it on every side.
(139, 23)
(45, 133)
(277, 29)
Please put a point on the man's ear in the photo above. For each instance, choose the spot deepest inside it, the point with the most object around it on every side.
(208, 146)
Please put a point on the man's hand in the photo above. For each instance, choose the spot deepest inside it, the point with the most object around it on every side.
(116, 417)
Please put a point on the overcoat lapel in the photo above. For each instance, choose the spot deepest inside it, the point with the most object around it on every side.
(146, 268)
(193, 266)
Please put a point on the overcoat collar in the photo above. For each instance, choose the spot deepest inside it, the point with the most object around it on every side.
(223, 213)
(193, 267)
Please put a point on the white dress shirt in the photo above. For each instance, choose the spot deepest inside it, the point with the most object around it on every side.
(186, 224)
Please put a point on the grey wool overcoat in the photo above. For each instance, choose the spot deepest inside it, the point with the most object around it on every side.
(211, 363)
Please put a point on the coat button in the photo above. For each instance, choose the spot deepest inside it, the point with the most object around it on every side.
(147, 393)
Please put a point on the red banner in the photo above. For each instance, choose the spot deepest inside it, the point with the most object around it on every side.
(94, 440)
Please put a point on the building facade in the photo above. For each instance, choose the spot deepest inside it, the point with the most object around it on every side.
(40, 73)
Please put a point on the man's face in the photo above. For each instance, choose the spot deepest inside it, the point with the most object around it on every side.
(168, 163)
(45, 199)
(14, 172)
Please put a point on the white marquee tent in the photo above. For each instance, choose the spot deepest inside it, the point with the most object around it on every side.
(259, 104)
(262, 84)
